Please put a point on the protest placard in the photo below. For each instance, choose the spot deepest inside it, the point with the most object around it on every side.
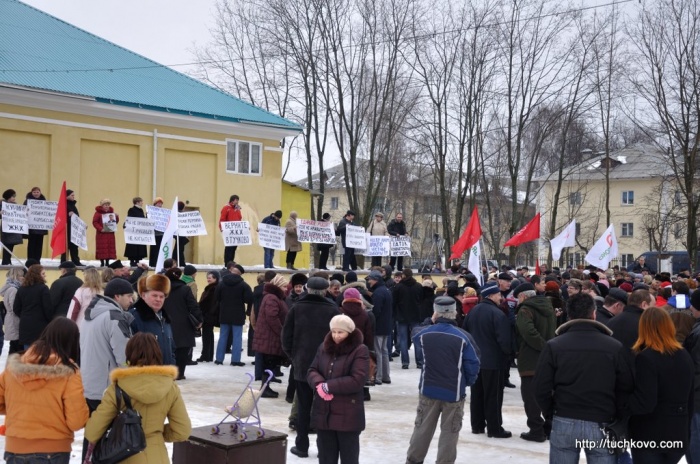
(109, 222)
(160, 215)
(400, 245)
(315, 231)
(14, 218)
(139, 231)
(377, 245)
(355, 237)
(236, 233)
(78, 232)
(190, 224)
(40, 214)
(270, 236)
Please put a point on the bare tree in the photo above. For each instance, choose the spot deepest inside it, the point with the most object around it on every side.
(667, 78)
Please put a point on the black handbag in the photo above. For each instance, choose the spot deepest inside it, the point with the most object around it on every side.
(196, 324)
(125, 436)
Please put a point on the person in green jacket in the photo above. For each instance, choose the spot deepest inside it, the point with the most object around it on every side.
(153, 394)
(535, 323)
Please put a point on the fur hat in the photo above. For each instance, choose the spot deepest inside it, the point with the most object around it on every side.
(444, 305)
(342, 322)
(299, 279)
(155, 283)
(352, 293)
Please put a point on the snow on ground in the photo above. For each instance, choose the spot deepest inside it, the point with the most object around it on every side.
(390, 415)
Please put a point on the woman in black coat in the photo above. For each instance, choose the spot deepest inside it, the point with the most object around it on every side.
(35, 244)
(662, 402)
(179, 306)
(337, 375)
(209, 306)
(134, 252)
(33, 305)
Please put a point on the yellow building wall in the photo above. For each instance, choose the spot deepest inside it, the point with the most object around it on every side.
(112, 163)
(299, 200)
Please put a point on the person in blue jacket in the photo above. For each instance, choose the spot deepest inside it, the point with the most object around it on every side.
(148, 314)
(450, 365)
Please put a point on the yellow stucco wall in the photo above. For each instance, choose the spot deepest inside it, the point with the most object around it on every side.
(99, 158)
(296, 199)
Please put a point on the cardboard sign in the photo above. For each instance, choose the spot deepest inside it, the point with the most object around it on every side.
(40, 214)
(400, 246)
(160, 215)
(14, 218)
(190, 224)
(236, 233)
(315, 231)
(78, 232)
(377, 245)
(139, 231)
(270, 236)
(355, 237)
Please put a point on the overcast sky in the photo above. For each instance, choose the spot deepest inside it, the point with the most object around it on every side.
(165, 31)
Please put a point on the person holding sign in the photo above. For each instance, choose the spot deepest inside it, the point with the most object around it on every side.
(378, 227)
(35, 244)
(135, 252)
(349, 261)
(324, 248)
(72, 211)
(273, 220)
(230, 212)
(105, 221)
(397, 228)
(153, 256)
(9, 239)
(291, 240)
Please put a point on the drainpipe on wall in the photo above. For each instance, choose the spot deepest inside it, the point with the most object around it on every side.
(155, 162)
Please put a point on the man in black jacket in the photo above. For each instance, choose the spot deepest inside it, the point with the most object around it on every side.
(304, 329)
(625, 326)
(408, 295)
(396, 228)
(491, 330)
(349, 261)
(63, 289)
(235, 298)
(580, 378)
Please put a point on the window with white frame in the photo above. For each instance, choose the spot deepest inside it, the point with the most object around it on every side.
(626, 259)
(334, 202)
(243, 157)
(628, 197)
(575, 198)
(627, 229)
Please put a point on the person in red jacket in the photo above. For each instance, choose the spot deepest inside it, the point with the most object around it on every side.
(105, 221)
(230, 212)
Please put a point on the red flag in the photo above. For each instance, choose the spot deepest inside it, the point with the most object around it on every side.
(60, 225)
(530, 232)
(471, 234)
(538, 271)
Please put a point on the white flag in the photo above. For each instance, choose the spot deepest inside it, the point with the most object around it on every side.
(166, 245)
(567, 238)
(474, 263)
(604, 250)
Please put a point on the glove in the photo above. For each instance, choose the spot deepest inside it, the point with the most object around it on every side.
(322, 390)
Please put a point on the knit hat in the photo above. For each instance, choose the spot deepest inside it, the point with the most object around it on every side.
(523, 288)
(352, 293)
(627, 287)
(118, 287)
(277, 214)
(350, 277)
(444, 305)
(116, 264)
(375, 275)
(190, 270)
(317, 283)
(342, 322)
(326, 216)
(280, 281)
(339, 277)
(619, 294)
(489, 289)
(155, 283)
(67, 265)
(427, 283)
(551, 286)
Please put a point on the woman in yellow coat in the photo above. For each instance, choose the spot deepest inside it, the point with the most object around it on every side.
(153, 394)
(41, 396)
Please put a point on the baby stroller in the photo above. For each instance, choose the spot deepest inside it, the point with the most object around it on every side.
(245, 411)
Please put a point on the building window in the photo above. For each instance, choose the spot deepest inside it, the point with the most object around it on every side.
(243, 157)
(578, 230)
(575, 198)
(628, 197)
(415, 233)
(334, 202)
(677, 198)
(677, 230)
(627, 229)
(626, 260)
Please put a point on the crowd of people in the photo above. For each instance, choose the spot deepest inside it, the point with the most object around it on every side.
(592, 348)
